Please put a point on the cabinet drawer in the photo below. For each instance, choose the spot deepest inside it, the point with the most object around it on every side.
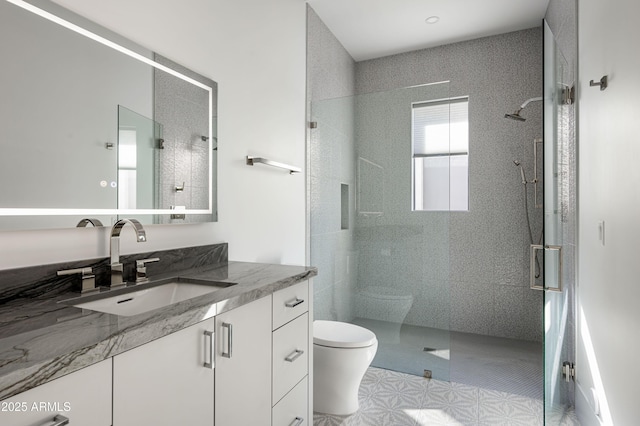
(293, 408)
(289, 303)
(290, 355)
(83, 396)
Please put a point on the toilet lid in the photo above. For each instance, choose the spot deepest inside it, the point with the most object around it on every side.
(341, 335)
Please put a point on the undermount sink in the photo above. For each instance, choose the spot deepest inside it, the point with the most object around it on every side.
(145, 297)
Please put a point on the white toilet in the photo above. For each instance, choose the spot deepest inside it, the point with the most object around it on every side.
(342, 353)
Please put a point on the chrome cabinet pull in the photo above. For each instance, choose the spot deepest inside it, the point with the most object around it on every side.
(294, 355)
(229, 328)
(59, 420)
(293, 303)
(297, 421)
(210, 335)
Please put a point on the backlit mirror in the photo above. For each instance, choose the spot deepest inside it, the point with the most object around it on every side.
(94, 126)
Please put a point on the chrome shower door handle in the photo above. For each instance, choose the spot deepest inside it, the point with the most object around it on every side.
(211, 346)
(229, 328)
(532, 268)
(558, 286)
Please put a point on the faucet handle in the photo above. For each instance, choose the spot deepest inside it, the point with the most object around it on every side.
(88, 278)
(141, 269)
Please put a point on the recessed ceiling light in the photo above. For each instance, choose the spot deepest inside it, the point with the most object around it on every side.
(432, 19)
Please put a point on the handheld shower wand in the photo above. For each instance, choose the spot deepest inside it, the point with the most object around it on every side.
(524, 178)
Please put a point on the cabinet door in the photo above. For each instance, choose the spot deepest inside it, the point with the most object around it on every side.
(84, 397)
(243, 365)
(165, 382)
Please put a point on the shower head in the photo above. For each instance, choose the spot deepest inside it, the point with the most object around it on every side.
(516, 115)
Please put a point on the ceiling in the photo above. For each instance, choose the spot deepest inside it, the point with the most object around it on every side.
(374, 28)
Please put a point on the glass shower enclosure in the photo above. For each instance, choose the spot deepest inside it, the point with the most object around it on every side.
(385, 260)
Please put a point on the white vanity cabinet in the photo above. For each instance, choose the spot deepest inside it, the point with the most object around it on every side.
(169, 381)
(291, 357)
(83, 397)
(247, 366)
(243, 365)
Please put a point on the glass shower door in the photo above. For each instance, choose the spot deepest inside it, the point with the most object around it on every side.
(381, 264)
(559, 245)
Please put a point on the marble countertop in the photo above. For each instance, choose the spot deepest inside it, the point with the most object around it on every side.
(42, 339)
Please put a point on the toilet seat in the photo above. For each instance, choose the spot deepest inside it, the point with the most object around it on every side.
(335, 334)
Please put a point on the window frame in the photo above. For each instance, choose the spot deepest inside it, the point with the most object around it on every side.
(449, 154)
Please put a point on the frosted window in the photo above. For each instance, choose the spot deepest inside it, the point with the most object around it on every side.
(440, 151)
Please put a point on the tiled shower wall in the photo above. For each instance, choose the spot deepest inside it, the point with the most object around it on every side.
(479, 283)
(488, 245)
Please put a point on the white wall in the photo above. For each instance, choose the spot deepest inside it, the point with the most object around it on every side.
(609, 182)
(255, 50)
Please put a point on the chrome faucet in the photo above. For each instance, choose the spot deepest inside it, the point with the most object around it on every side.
(114, 248)
(88, 221)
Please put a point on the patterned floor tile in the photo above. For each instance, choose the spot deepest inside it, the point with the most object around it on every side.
(458, 403)
(570, 419)
(439, 417)
(561, 416)
(500, 408)
(388, 398)
(398, 392)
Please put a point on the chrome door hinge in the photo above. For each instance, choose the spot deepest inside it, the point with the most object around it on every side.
(568, 371)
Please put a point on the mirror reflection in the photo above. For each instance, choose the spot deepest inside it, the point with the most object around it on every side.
(91, 128)
(139, 138)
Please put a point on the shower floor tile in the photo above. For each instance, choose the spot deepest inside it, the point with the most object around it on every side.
(505, 365)
(487, 362)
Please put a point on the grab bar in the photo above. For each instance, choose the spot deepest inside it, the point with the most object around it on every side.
(292, 169)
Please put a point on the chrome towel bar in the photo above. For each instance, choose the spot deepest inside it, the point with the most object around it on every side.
(292, 169)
